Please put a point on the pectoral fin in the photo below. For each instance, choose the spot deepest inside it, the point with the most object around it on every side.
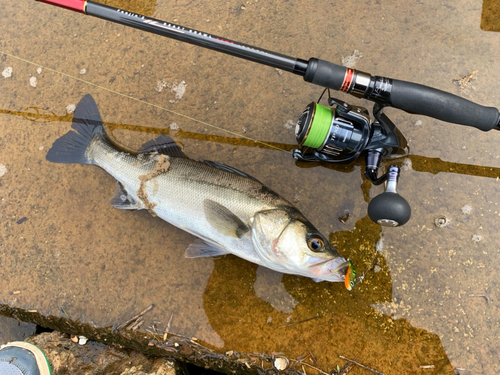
(223, 220)
(122, 200)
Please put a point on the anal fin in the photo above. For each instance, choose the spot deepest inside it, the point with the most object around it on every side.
(200, 249)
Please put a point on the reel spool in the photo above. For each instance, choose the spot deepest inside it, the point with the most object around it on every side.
(340, 135)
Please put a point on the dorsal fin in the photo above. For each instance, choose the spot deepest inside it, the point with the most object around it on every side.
(162, 145)
(229, 169)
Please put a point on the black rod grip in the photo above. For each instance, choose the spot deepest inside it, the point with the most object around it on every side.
(424, 100)
(408, 96)
(325, 73)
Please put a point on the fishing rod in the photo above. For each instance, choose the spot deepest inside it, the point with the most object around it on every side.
(340, 132)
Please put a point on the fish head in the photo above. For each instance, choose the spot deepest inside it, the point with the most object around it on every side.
(287, 242)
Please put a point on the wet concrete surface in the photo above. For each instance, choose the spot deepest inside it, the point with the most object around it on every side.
(430, 294)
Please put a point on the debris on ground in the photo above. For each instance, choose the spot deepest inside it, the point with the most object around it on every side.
(351, 60)
(442, 221)
(467, 209)
(70, 108)
(3, 170)
(463, 82)
(407, 165)
(178, 88)
(289, 125)
(7, 72)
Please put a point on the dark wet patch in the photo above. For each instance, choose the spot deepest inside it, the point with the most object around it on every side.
(145, 7)
(490, 16)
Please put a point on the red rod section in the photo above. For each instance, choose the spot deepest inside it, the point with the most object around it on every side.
(77, 5)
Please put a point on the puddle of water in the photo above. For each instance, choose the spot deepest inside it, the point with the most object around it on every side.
(13, 330)
(429, 294)
(490, 17)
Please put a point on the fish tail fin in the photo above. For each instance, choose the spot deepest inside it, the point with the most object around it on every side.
(72, 147)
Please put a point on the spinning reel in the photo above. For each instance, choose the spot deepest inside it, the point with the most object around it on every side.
(340, 134)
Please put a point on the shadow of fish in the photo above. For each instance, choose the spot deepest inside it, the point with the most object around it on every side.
(228, 210)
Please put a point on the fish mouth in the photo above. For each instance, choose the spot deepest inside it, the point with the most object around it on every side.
(330, 269)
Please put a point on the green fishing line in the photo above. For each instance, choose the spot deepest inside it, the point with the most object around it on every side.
(320, 126)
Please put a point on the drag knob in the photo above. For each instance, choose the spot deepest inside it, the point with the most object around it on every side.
(390, 209)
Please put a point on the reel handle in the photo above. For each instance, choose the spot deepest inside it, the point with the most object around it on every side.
(389, 208)
(407, 96)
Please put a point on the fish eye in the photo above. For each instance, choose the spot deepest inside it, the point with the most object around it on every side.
(315, 244)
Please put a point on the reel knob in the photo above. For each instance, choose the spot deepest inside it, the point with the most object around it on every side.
(390, 209)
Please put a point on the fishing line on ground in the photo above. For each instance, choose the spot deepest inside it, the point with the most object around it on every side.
(142, 101)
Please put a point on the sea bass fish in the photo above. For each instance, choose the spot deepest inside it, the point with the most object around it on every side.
(229, 211)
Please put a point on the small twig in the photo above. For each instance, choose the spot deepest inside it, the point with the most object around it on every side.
(427, 366)
(137, 324)
(488, 299)
(349, 365)
(168, 326)
(134, 318)
(302, 321)
(361, 365)
(465, 369)
(313, 357)
(317, 369)
(153, 329)
(346, 368)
